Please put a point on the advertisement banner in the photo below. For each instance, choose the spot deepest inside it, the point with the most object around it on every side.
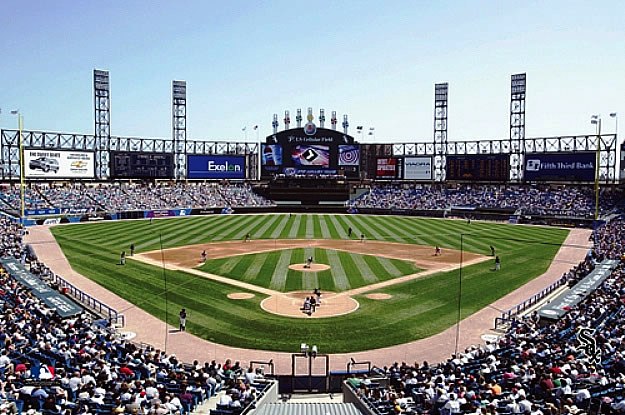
(389, 168)
(63, 306)
(418, 168)
(215, 167)
(560, 166)
(59, 164)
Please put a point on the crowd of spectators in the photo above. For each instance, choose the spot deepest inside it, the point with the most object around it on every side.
(530, 200)
(84, 199)
(536, 367)
(81, 365)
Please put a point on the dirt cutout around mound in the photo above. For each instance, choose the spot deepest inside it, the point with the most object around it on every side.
(309, 268)
(240, 296)
(379, 296)
(187, 258)
(291, 304)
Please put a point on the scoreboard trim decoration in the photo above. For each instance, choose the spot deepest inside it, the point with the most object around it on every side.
(478, 167)
(141, 165)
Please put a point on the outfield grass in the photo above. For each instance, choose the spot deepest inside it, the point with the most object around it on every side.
(271, 269)
(417, 309)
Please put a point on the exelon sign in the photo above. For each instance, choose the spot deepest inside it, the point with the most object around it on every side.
(216, 167)
(212, 166)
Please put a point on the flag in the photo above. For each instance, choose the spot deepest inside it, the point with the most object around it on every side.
(256, 127)
(244, 128)
(15, 112)
(613, 114)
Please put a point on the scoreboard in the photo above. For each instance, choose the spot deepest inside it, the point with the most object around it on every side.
(137, 165)
(479, 167)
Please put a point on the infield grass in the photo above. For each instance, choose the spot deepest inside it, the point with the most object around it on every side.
(417, 309)
(271, 269)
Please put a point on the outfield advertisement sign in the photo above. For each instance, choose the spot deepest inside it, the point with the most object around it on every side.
(560, 166)
(63, 306)
(58, 164)
(418, 168)
(215, 167)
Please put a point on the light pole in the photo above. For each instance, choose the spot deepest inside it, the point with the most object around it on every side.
(596, 120)
(615, 116)
(20, 126)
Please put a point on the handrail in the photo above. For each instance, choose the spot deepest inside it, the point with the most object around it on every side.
(511, 313)
(89, 301)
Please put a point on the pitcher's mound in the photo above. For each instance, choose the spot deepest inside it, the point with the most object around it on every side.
(313, 267)
(290, 304)
(240, 296)
(378, 296)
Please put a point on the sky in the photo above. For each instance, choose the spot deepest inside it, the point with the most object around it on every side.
(375, 61)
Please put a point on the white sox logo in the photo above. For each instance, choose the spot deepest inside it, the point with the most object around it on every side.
(588, 345)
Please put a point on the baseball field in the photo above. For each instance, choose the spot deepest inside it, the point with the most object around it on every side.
(384, 289)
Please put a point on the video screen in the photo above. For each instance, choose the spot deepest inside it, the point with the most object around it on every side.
(349, 155)
(311, 155)
(271, 155)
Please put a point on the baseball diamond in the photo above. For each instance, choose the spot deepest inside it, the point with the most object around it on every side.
(419, 306)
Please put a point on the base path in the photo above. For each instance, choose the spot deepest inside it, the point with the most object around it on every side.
(187, 347)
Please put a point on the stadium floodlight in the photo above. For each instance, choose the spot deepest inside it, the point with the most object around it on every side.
(20, 123)
(596, 120)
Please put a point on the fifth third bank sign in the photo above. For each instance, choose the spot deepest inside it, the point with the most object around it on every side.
(215, 167)
(560, 166)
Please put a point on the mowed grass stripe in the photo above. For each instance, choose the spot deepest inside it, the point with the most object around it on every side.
(356, 279)
(278, 276)
(338, 272)
(334, 234)
(386, 264)
(236, 231)
(264, 276)
(325, 278)
(368, 275)
(310, 227)
(324, 229)
(359, 227)
(252, 271)
(279, 227)
(263, 231)
(294, 231)
(310, 280)
(379, 230)
(294, 278)
(317, 227)
(417, 233)
(341, 227)
(301, 232)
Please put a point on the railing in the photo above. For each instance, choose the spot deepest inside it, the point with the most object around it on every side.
(510, 315)
(90, 302)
